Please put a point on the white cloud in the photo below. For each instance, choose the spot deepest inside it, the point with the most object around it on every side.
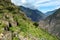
(23, 1)
(32, 2)
(38, 3)
(49, 3)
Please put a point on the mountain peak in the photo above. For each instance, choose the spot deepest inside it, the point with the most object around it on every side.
(27, 7)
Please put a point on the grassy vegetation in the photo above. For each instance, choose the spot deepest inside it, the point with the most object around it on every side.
(28, 29)
(25, 27)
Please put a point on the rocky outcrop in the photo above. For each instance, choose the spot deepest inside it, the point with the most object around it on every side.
(52, 23)
(6, 35)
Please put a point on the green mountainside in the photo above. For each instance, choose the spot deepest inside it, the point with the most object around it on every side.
(14, 25)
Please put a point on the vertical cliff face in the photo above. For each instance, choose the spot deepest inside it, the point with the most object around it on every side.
(52, 23)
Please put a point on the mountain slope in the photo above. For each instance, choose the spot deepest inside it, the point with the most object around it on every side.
(34, 14)
(14, 25)
(50, 13)
(52, 23)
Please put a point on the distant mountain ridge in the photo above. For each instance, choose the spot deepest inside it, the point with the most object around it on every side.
(52, 23)
(50, 13)
(34, 14)
(14, 24)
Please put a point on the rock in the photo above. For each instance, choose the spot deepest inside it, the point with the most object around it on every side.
(52, 23)
(6, 36)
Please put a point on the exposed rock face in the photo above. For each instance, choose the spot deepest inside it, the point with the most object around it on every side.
(52, 23)
(6, 36)
(9, 18)
(6, 19)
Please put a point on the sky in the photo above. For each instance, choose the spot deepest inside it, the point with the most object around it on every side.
(42, 5)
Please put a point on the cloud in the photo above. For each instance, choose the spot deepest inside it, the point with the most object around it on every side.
(43, 5)
(19, 2)
(48, 5)
(30, 2)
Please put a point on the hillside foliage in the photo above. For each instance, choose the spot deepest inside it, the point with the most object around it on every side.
(14, 25)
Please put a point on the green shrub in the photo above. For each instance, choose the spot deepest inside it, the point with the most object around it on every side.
(15, 38)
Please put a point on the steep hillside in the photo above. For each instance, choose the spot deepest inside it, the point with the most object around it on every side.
(14, 25)
(34, 14)
(52, 23)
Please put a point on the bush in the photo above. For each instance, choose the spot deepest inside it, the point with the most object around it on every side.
(36, 24)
